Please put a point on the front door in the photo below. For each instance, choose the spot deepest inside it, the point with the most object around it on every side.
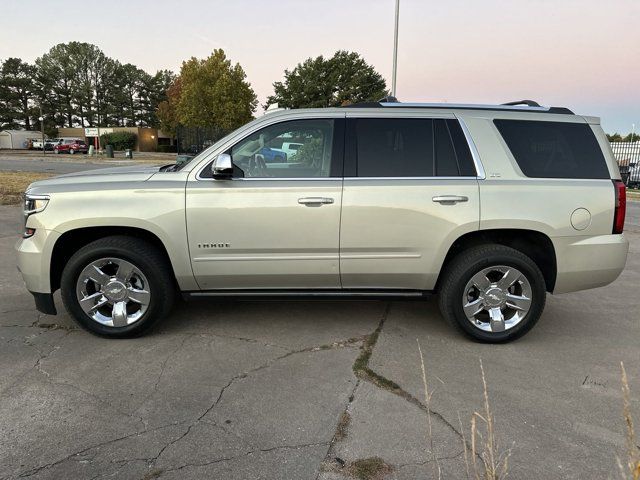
(410, 190)
(275, 225)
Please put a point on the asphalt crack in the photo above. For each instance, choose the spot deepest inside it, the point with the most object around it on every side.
(245, 454)
(339, 344)
(364, 372)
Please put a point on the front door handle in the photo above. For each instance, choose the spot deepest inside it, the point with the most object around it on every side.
(315, 201)
(450, 199)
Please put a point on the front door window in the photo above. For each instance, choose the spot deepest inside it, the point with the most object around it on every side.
(294, 149)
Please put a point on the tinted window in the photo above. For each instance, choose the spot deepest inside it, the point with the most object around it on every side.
(403, 147)
(446, 162)
(461, 147)
(554, 149)
(394, 147)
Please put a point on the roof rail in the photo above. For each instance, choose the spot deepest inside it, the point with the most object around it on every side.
(519, 106)
(528, 103)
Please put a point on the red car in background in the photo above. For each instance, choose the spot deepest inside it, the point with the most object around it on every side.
(71, 146)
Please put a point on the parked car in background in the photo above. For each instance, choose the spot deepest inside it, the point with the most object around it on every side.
(288, 148)
(37, 144)
(273, 155)
(50, 143)
(633, 176)
(71, 146)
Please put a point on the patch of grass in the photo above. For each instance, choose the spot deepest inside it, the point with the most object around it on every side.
(361, 365)
(13, 185)
(155, 473)
(632, 469)
(343, 425)
(486, 458)
(373, 468)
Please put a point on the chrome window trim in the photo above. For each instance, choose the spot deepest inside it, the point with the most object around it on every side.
(480, 173)
(412, 178)
(339, 179)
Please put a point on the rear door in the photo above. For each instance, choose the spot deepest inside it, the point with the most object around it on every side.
(410, 190)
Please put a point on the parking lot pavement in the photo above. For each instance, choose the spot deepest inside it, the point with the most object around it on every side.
(267, 389)
(58, 166)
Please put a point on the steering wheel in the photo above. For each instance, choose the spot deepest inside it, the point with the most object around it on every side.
(257, 166)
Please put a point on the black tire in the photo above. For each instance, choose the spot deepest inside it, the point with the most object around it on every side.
(146, 257)
(469, 262)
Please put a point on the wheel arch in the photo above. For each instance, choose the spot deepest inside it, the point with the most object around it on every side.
(72, 240)
(536, 245)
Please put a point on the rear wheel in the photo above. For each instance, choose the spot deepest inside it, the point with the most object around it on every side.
(72, 151)
(493, 293)
(117, 286)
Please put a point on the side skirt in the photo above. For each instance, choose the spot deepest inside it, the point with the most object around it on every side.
(346, 294)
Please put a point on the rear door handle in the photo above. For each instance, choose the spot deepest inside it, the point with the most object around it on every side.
(315, 201)
(450, 199)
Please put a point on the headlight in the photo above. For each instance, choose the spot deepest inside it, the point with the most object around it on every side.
(33, 204)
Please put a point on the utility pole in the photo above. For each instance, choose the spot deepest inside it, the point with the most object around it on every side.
(395, 51)
(41, 118)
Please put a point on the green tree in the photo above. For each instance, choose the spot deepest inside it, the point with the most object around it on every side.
(57, 81)
(632, 137)
(214, 93)
(319, 82)
(153, 92)
(19, 92)
(166, 111)
(616, 137)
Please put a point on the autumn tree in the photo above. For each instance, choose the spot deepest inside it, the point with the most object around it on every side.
(213, 92)
(329, 82)
(167, 109)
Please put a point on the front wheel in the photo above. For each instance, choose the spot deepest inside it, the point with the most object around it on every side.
(72, 151)
(117, 286)
(492, 293)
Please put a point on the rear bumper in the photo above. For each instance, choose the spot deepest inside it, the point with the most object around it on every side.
(588, 262)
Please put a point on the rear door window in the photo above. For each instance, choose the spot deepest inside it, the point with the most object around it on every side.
(554, 149)
(410, 147)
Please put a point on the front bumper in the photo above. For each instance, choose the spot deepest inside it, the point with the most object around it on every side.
(589, 262)
(34, 259)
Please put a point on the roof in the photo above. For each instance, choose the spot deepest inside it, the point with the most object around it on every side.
(25, 132)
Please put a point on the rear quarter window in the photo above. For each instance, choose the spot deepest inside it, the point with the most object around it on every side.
(554, 149)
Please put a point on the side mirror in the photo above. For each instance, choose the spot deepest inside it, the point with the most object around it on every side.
(222, 167)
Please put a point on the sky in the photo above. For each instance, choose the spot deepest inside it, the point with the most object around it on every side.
(582, 54)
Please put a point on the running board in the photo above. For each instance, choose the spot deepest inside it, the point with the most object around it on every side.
(311, 294)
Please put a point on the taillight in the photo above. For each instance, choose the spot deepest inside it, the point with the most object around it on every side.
(621, 206)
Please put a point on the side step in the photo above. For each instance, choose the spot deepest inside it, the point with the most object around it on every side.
(375, 294)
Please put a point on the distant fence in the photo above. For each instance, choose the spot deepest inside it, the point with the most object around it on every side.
(628, 157)
(193, 140)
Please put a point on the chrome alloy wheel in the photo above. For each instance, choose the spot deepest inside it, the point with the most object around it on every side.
(497, 298)
(113, 292)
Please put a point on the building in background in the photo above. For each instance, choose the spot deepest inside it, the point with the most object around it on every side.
(18, 139)
(147, 139)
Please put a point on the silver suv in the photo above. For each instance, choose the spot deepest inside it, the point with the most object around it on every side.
(488, 206)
